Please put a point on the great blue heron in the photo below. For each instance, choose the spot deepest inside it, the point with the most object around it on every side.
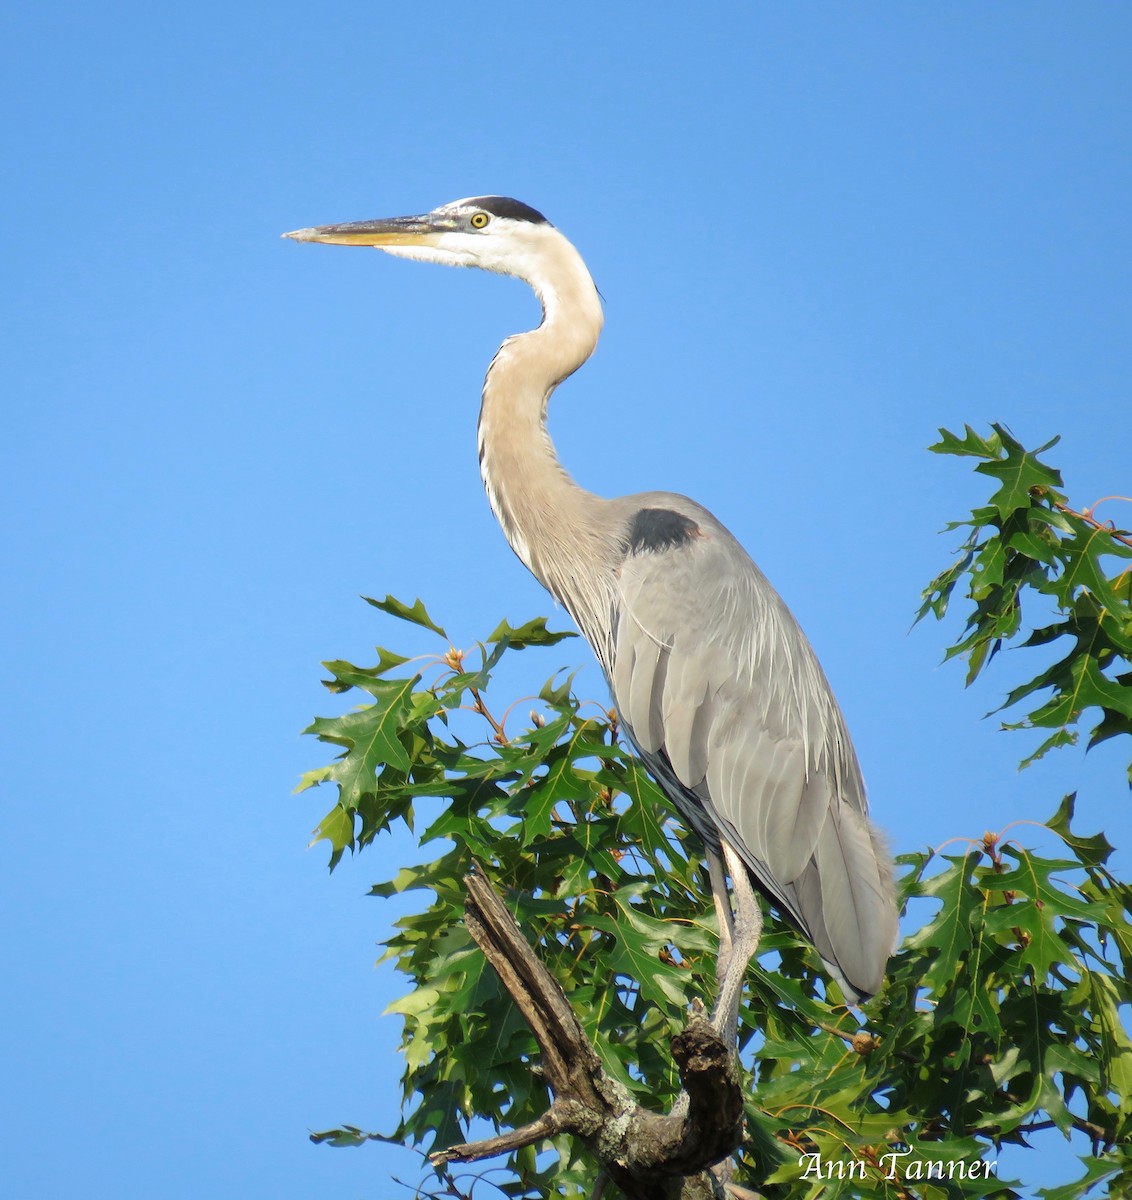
(714, 682)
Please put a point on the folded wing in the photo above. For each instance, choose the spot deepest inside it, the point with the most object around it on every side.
(722, 695)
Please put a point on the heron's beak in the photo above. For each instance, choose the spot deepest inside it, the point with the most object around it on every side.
(389, 231)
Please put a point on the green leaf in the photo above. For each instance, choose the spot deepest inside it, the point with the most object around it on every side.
(1033, 877)
(337, 828)
(560, 781)
(640, 943)
(533, 633)
(1018, 473)
(556, 691)
(370, 735)
(1084, 553)
(1034, 545)
(348, 1135)
(1092, 851)
(416, 614)
(1078, 683)
(950, 935)
(1056, 741)
(971, 443)
(1097, 1171)
(347, 676)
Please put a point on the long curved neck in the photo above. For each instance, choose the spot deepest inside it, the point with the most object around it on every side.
(553, 525)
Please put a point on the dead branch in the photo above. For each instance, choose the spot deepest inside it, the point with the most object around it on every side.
(647, 1155)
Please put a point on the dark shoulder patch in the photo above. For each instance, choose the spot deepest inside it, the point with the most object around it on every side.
(504, 206)
(656, 529)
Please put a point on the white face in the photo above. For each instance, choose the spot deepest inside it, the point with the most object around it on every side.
(464, 235)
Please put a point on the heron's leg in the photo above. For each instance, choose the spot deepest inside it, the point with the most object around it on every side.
(721, 898)
(745, 934)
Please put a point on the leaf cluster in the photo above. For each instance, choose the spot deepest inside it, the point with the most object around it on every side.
(1028, 549)
(560, 815)
(1000, 1024)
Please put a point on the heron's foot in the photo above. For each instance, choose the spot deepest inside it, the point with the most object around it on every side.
(724, 1171)
(725, 919)
(745, 931)
(722, 960)
(725, 1016)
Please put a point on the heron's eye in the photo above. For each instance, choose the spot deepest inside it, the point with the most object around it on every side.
(479, 220)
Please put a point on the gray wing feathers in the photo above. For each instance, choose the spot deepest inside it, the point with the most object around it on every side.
(715, 681)
(858, 908)
(759, 786)
(687, 704)
(639, 683)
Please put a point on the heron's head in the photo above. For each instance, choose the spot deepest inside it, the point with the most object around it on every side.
(491, 232)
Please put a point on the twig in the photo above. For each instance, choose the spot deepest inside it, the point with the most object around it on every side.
(481, 708)
(1108, 527)
(546, 1126)
(1097, 1132)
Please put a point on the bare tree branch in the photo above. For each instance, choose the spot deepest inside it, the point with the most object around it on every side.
(546, 1126)
(647, 1155)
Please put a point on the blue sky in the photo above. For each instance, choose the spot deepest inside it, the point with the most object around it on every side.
(821, 231)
